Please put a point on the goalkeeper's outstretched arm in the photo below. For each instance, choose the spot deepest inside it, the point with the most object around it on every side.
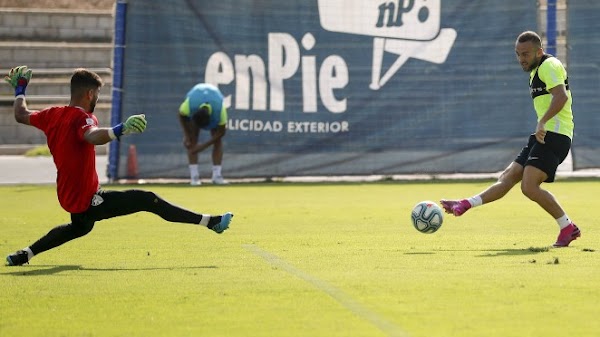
(101, 136)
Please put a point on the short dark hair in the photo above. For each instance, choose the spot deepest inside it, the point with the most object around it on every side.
(83, 80)
(530, 36)
(202, 116)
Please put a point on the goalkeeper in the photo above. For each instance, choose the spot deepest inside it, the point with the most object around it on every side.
(72, 132)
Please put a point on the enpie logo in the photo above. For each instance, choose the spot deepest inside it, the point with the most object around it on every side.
(407, 28)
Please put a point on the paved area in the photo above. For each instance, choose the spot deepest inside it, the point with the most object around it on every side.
(38, 170)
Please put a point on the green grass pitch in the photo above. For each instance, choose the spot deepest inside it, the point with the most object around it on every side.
(307, 260)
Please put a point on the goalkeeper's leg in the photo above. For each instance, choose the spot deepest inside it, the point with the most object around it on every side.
(79, 226)
(110, 204)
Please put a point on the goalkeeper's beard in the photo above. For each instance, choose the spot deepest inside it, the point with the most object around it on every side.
(92, 106)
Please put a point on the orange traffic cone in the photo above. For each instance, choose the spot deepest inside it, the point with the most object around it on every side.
(132, 166)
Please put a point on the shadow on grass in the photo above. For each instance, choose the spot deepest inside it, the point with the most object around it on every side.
(513, 252)
(28, 270)
(492, 252)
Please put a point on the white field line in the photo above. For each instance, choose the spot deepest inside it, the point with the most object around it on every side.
(389, 328)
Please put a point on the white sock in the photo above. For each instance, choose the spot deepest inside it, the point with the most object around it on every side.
(194, 173)
(204, 220)
(563, 221)
(29, 253)
(216, 171)
(475, 201)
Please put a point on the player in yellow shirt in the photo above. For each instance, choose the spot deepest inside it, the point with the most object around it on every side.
(546, 148)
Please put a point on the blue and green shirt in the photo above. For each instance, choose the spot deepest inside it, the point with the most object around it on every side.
(204, 94)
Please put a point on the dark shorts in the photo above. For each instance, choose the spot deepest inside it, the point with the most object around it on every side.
(107, 204)
(545, 157)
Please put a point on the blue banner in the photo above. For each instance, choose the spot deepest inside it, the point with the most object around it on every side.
(332, 87)
(584, 75)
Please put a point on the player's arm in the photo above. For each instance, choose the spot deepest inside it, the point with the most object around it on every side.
(190, 130)
(559, 98)
(553, 74)
(97, 136)
(186, 125)
(101, 136)
(22, 113)
(215, 136)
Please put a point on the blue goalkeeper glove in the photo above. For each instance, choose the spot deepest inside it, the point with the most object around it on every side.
(18, 78)
(133, 124)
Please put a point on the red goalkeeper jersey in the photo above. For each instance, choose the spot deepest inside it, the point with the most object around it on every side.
(75, 158)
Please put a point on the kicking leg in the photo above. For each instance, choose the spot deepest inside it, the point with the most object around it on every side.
(507, 180)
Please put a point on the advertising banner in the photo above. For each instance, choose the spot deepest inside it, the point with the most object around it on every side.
(332, 87)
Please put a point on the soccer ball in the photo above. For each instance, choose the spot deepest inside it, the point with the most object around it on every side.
(427, 217)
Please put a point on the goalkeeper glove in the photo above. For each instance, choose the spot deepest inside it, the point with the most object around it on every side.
(18, 78)
(133, 124)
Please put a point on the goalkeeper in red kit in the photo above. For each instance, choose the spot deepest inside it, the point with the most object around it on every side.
(72, 132)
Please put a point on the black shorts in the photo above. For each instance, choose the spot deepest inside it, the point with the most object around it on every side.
(547, 156)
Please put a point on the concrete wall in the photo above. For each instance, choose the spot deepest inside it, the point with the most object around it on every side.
(52, 43)
(56, 25)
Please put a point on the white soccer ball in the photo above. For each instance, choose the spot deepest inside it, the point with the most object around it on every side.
(427, 217)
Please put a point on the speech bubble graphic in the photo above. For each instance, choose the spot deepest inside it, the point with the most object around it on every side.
(435, 51)
(399, 19)
(408, 28)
